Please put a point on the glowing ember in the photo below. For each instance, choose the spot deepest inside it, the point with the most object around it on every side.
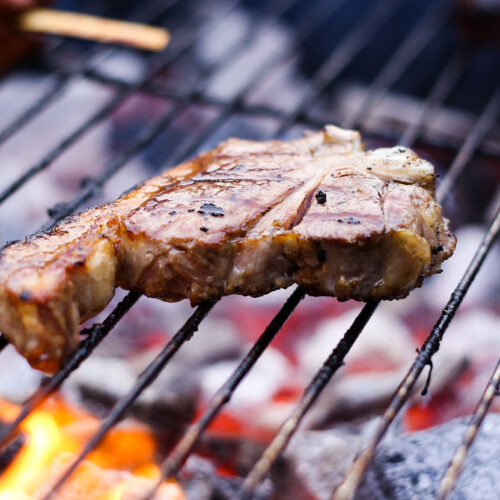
(122, 468)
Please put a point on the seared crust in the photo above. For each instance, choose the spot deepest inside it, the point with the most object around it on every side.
(248, 217)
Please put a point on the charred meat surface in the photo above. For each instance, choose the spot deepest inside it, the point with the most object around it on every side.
(247, 218)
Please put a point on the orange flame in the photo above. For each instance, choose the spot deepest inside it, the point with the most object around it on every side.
(119, 469)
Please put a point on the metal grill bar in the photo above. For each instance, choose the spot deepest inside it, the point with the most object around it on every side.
(447, 81)
(94, 335)
(353, 478)
(259, 471)
(347, 50)
(453, 472)
(311, 393)
(482, 126)
(412, 46)
(78, 72)
(224, 394)
(143, 381)
(342, 56)
(160, 64)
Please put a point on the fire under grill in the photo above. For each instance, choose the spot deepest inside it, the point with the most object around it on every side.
(380, 58)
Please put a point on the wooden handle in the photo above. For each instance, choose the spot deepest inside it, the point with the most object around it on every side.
(57, 22)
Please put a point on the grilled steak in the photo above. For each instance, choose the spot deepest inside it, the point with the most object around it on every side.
(247, 218)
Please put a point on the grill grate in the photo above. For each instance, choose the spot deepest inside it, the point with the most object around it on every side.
(430, 24)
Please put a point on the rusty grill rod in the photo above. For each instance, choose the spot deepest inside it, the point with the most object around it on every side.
(94, 335)
(342, 55)
(453, 472)
(185, 446)
(144, 380)
(79, 70)
(441, 89)
(348, 487)
(161, 62)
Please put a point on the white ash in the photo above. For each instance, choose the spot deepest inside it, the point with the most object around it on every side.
(405, 467)
(385, 337)
(269, 374)
(18, 380)
(412, 466)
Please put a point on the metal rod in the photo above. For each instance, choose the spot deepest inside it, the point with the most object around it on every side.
(186, 445)
(481, 127)
(341, 56)
(447, 80)
(94, 335)
(452, 474)
(334, 361)
(347, 489)
(144, 380)
(160, 64)
(413, 45)
(76, 72)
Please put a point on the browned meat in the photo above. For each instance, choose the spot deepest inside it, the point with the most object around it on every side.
(247, 218)
(15, 45)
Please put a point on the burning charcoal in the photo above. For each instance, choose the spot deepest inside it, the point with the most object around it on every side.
(412, 466)
(374, 368)
(92, 481)
(363, 395)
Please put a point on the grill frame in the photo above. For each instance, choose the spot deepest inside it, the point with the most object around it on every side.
(348, 48)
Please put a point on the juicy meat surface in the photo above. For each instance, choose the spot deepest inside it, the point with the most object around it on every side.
(247, 218)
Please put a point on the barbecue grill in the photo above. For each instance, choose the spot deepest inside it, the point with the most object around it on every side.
(412, 49)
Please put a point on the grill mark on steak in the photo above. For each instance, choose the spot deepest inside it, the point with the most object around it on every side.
(305, 205)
